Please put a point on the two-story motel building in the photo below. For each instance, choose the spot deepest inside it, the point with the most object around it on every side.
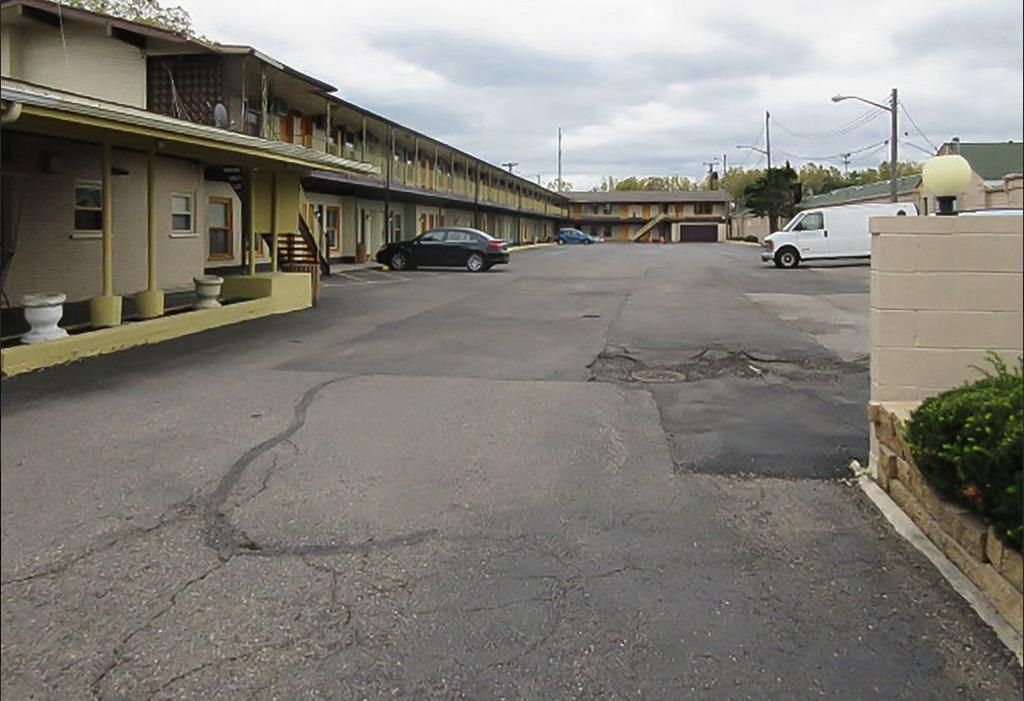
(640, 215)
(135, 158)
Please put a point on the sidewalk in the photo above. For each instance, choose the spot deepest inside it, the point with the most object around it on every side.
(352, 267)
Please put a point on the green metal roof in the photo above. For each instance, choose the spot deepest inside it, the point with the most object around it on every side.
(990, 160)
(859, 193)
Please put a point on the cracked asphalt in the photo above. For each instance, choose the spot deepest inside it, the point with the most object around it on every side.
(603, 472)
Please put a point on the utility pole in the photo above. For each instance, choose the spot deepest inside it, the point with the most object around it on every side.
(893, 147)
(768, 139)
(711, 171)
(725, 164)
(558, 182)
(846, 164)
(509, 165)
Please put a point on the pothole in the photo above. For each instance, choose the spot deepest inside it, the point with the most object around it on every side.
(657, 375)
(620, 365)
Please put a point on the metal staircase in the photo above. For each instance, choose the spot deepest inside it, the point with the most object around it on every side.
(646, 228)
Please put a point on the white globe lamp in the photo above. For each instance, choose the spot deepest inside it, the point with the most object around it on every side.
(946, 177)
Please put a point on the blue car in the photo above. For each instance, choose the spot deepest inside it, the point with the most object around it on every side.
(575, 236)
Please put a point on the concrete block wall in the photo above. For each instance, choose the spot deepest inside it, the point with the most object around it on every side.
(944, 291)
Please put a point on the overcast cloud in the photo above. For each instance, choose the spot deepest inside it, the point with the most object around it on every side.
(651, 88)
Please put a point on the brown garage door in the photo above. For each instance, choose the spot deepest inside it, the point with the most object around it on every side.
(706, 233)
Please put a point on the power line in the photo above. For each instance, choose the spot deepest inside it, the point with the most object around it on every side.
(922, 149)
(867, 156)
(919, 131)
(836, 156)
(755, 140)
(857, 122)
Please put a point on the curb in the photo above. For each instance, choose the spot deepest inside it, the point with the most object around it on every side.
(529, 246)
(909, 531)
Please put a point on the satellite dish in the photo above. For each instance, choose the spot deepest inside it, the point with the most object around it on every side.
(220, 116)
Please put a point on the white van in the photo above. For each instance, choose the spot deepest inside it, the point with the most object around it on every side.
(829, 233)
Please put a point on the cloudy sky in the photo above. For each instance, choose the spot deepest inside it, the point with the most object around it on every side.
(653, 87)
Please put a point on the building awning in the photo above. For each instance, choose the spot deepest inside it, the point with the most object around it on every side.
(88, 112)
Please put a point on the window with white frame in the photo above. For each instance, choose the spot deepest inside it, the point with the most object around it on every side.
(181, 213)
(88, 205)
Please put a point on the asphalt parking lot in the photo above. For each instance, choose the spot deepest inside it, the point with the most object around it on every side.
(613, 471)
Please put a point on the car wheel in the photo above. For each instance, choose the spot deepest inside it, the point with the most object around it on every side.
(475, 263)
(787, 258)
(399, 261)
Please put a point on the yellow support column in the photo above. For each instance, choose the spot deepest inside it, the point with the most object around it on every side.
(274, 203)
(150, 302)
(253, 247)
(105, 310)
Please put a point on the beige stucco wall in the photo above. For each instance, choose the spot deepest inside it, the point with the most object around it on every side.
(458, 217)
(423, 218)
(974, 196)
(944, 290)
(374, 210)
(219, 189)
(86, 61)
(51, 256)
(1008, 195)
(318, 199)
(750, 226)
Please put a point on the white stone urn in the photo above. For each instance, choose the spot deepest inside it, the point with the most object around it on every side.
(42, 312)
(208, 291)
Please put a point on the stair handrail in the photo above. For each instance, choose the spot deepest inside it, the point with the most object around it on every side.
(314, 245)
(657, 218)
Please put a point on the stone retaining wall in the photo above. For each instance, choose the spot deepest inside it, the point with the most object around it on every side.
(998, 571)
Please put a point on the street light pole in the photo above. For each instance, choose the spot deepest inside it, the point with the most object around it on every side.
(893, 109)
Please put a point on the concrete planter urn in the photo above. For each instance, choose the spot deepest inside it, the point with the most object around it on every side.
(208, 291)
(42, 312)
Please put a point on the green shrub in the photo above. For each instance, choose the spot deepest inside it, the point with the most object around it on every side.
(968, 441)
(750, 238)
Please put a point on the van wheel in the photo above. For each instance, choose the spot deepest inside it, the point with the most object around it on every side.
(787, 258)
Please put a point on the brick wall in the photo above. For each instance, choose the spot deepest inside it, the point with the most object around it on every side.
(944, 290)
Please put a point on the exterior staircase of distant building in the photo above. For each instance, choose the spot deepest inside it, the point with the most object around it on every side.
(645, 230)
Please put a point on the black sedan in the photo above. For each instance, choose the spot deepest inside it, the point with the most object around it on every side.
(450, 246)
